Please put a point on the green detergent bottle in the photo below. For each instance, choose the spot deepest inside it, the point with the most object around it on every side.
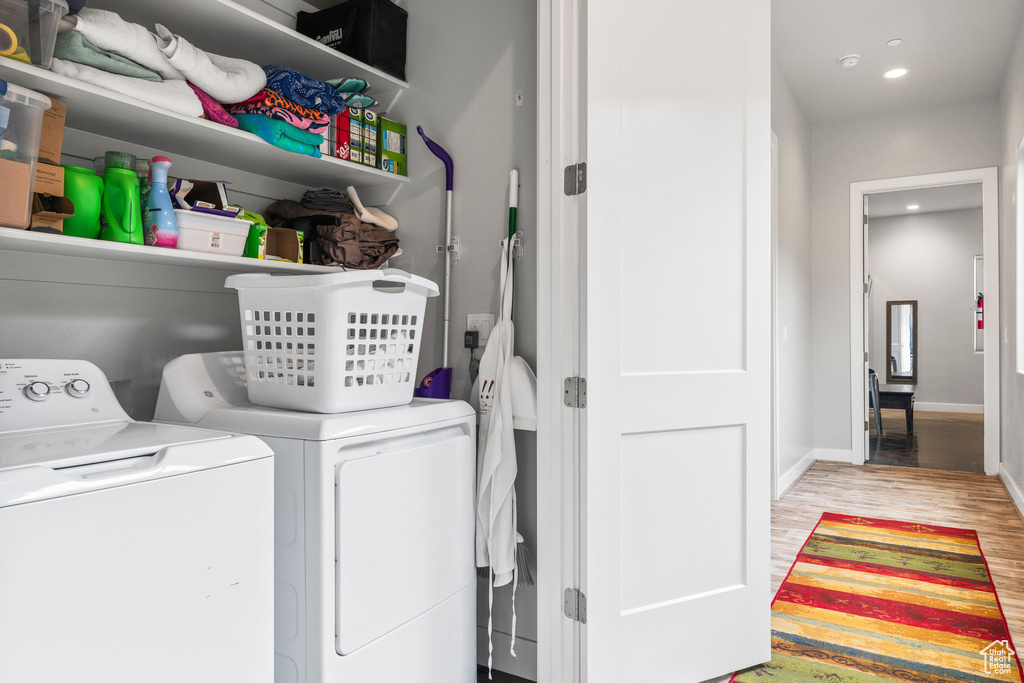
(85, 190)
(122, 213)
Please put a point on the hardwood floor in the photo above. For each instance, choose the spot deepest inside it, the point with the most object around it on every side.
(957, 499)
(942, 441)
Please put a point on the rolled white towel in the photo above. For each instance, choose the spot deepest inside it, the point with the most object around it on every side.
(225, 79)
(371, 215)
(108, 31)
(172, 95)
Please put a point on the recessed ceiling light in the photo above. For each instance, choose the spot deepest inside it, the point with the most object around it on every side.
(849, 60)
(912, 207)
(898, 72)
(894, 42)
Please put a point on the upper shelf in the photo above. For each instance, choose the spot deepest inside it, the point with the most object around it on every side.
(229, 28)
(109, 114)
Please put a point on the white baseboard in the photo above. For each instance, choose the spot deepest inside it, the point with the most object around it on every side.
(793, 474)
(524, 665)
(976, 408)
(833, 454)
(1013, 487)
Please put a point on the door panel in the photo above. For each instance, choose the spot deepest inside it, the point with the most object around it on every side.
(678, 339)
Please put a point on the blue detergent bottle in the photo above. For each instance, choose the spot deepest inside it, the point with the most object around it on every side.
(162, 230)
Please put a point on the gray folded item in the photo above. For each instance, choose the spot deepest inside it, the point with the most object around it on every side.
(327, 199)
(73, 46)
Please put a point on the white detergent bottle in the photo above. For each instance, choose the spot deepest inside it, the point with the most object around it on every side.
(162, 230)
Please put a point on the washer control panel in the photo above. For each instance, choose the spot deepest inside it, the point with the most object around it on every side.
(36, 394)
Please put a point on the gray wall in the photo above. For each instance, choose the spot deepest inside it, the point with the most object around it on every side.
(793, 279)
(1012, 383)
(929, 257)
(465, 63)
(941, 138)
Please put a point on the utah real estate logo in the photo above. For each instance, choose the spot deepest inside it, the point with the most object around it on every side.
(998, 657)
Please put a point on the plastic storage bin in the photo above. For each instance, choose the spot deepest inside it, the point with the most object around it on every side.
(21, 123)
(28, 29)
(332, 343)
(212, 234)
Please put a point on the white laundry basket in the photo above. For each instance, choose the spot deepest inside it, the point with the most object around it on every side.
(332, 343)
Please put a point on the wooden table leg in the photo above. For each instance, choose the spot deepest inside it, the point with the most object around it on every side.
(910, 417)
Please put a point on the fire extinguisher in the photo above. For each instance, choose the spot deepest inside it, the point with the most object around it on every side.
(980, 308)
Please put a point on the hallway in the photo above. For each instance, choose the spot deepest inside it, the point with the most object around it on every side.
(940, 441)
(958, 499)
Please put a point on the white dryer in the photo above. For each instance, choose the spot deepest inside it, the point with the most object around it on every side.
(374, 528)
(129, 551)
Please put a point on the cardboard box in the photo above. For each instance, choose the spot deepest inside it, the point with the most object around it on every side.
(355, 141)
(370, 122)
(54, 215)
(342, 136)
(16, 195)
(393, 147)
(49, 180)
(282, 242)
(52, 139)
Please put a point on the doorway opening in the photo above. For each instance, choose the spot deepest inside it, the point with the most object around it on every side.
(924, 264)
(925, 308)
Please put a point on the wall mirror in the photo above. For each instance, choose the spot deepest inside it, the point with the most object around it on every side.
(901, 340)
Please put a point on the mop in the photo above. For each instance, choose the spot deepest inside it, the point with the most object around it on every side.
(499, 546)
(438, 384)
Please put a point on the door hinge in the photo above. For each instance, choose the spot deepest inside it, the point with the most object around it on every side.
(575, 392)
(866, 425)
(574, 605)
(865, 219)
(865, 356)
(576, 179)
(865, 288)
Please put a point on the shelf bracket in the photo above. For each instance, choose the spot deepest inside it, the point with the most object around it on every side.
(517, 245)
(453, 249)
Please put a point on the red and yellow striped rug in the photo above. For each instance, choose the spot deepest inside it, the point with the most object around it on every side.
(871, 600)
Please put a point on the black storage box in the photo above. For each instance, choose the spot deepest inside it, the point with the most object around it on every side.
(372, 31)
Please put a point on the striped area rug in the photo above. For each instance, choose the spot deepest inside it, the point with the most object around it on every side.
(871, 600)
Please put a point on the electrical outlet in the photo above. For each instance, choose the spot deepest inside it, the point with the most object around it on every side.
(482, 323)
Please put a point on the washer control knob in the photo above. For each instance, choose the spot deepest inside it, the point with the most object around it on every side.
(38, 391)
(78, 388)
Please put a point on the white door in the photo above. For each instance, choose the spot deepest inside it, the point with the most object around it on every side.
(678, 344)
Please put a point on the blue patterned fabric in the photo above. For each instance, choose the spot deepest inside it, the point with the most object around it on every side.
(302, 89)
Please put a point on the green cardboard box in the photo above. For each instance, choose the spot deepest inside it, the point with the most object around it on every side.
(393, 147)
(370, 123)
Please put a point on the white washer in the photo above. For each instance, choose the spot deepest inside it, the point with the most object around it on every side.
(374, 524)
(129, 551)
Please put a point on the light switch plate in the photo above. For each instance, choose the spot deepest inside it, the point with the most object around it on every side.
(481, 322)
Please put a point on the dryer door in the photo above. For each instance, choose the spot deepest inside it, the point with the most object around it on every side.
(404, 532)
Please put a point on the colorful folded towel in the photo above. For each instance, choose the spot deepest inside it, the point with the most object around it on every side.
(225, 79)
(277, 106)
(281, 134)
(73, 46)
(303, 90)
(212, 109)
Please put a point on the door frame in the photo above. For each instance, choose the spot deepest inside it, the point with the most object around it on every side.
(989, 179)
(776, 484)
(560, 122)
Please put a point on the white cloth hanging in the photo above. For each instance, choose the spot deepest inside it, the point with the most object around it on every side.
(497, 518)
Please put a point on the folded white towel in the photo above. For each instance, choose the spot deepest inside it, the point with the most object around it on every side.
(225, 79)
(108, 31)
(172, 95)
